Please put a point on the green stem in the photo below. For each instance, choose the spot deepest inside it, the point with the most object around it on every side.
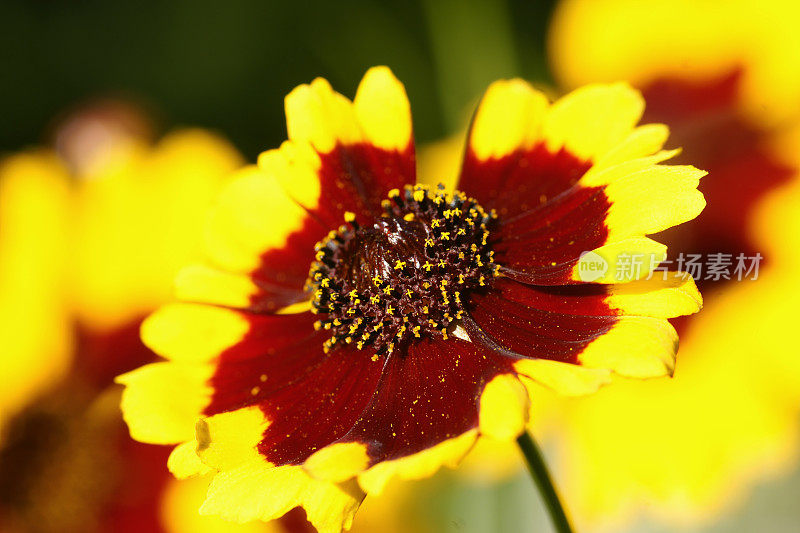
(544, 483)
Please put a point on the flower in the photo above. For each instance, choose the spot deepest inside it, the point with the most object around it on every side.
(724, 81)
(351, 325)
(92, 218)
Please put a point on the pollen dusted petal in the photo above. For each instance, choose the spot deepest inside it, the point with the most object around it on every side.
(608, 212)
(523, 330)
(580, 329)
(592, 120)
(521, 181)
(310, 399)
(256, 491)
(161, 401)
(426, 397)
(505, 406)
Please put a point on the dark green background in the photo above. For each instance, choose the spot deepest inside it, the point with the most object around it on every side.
(227, 64)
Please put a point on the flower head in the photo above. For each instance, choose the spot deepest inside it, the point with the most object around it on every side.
(353, 325)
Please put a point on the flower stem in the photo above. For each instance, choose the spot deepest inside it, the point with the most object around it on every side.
(544, 483)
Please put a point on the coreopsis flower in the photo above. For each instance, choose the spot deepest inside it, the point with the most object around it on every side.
(85, 256)
(352, 325)
(727, 92)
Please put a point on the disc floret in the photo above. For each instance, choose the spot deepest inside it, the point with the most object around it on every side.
(406, 275)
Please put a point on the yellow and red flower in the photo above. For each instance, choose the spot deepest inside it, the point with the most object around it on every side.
(353, 324)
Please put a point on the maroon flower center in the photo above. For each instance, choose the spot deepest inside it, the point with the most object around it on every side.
(404, 276)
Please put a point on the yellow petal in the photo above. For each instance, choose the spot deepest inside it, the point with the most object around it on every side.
(162, 401)
(227, 440)
(316, 114)
(179, 511)
(338, 462)
(666, 295)
(641, 142)
(592, 120)
(637, 347)
(184, 462)
(295, 167)
(653, 200)
(193, 332)
(509, 117)
(255, 491)
(420, 465)
(251, 216)
(382, 109)
(564, 378)
(203, 284)
(504, 408)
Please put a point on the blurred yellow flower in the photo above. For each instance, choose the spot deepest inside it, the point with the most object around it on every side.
(34, 214)
(725, 77)
(90, 238)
